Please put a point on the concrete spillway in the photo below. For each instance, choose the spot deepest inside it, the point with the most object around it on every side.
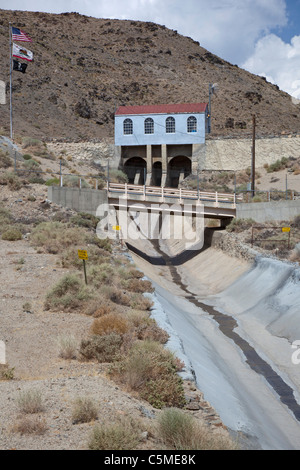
(236, 322)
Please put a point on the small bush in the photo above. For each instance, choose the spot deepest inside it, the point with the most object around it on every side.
(112, 322)
(11, 180)
(52, 182)
(85, 220)
(138, 285)
(117, 176)
(12, 234)
(67, 345)
(54, 237)
(181, 431)
(124, 434)
(116, 295)
(139, 302)
(151, 370)
(31, 425)
(5, 160)
(6, 372)
(152, 332)
(68, 294)
(30, 401)
(239, 225)
(101, 348)
(85, 411)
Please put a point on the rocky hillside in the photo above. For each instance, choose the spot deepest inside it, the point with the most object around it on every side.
(85, 67)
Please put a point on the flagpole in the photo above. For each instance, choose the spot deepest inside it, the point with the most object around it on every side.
(10, 81)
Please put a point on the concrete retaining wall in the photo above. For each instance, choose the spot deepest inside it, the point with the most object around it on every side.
(268, 211)
(216, 154)
(81, 200)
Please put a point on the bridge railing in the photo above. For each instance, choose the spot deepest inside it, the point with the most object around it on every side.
(164, 192)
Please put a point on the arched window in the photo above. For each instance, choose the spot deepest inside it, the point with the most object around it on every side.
(128, 127)
(170, 125)
(192, 124)
(149, 126)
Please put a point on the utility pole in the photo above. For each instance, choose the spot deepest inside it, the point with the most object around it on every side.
(253, 156)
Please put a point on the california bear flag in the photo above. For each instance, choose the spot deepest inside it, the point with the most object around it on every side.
(22, 53)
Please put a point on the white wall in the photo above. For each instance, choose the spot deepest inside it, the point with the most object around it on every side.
(160, 136)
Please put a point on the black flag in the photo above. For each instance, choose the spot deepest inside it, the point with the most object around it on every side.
(19, 66)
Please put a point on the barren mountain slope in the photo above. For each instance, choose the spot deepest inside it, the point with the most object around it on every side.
(85, 67)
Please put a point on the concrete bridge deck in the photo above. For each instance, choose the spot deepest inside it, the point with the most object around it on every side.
(215, 204)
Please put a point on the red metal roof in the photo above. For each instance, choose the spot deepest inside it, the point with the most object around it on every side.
(188, 108)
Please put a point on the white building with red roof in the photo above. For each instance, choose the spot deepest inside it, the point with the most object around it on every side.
(158, 143)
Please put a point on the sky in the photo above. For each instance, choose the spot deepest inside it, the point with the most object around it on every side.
(261, 36)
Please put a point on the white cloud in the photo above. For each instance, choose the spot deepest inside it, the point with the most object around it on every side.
(228, 28)
(278, 61)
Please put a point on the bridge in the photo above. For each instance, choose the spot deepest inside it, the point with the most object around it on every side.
(142, 197)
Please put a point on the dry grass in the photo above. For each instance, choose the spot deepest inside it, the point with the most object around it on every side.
(123, 434)
(31, 425)
(67, 345)
(30, 401)
(150, 370)
(70, 293)
(101, 348)
(55, 237)
(181, 431)
(112, 322)
(85, 410)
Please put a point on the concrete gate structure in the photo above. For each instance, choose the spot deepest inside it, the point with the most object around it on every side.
(160, 145)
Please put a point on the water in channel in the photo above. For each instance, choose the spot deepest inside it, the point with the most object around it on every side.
(227, 325)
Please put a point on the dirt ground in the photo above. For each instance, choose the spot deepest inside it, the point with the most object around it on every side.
(30, 334)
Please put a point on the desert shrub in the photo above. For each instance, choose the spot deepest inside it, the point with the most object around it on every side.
(84, 411)
(12, 234)
(102, 274)
(67, 345)
(139, 302)
(11, 180)
(131, 273)
(69, 256)
(30, 401)
(52, 182)
(151, 370)
(153, 332)
(31, 142)
(6, 372)
(239, 225)
(181, 431)
(36, 179)
(117, 176)
(69, 293)
(101, 348)
(278, 165)
(31, 425)
(256, 199)
(104, 244)
(74, 181)
(54, 237)
(138, 285)
(5, 160)
(116, 295)
(30, 164)
(112, 322)
(102, 310)
(124, 434)
(83, 219)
